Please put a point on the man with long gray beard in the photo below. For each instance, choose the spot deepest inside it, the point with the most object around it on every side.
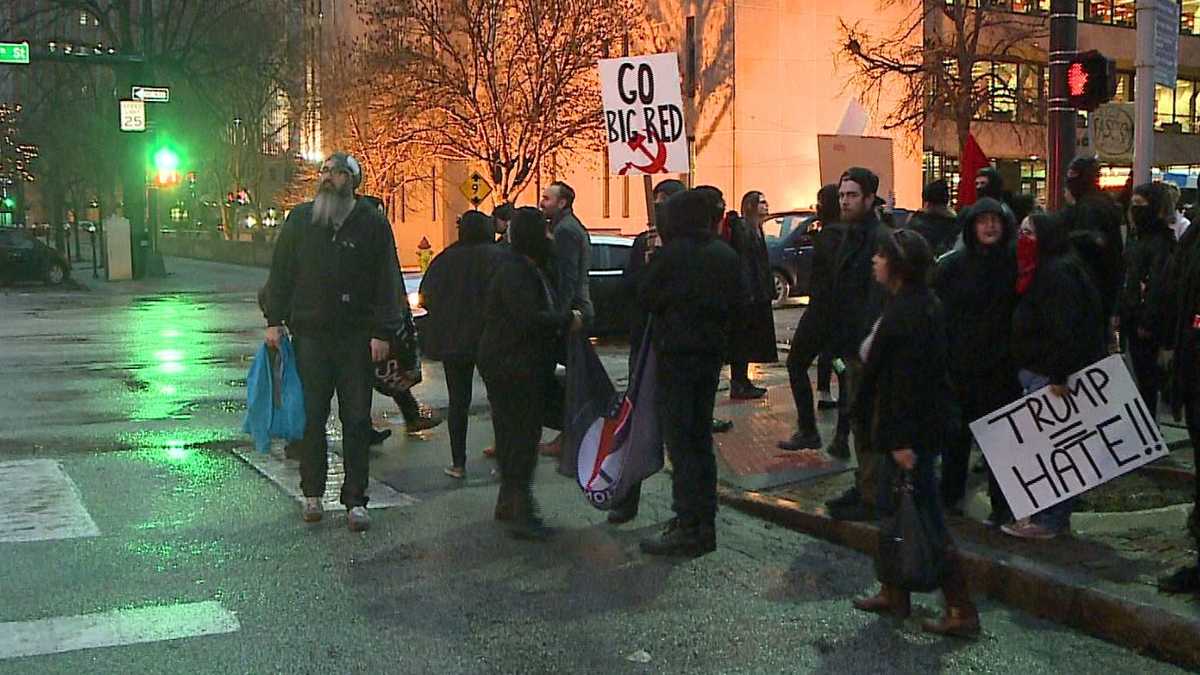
(334, 281)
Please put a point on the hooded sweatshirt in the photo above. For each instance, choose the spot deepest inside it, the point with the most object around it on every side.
(454, 289)
(1146, 257)
(977, 287)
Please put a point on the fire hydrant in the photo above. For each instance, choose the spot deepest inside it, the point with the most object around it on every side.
(424, 254)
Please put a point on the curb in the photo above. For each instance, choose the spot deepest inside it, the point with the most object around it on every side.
(1016, 582)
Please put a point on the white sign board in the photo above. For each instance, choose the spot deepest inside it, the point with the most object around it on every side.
(152, 94)
(133, 115)
(1044, 449)
(643, 115)
(1111, 131)
(118, 248)
(1166, 43)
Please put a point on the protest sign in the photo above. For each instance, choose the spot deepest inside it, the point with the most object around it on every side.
(1045, 449)
(643, 115)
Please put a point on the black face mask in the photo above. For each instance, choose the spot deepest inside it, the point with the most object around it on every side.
(1142, 216)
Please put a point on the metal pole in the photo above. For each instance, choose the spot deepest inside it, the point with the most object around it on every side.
(95, 275)
(1143, 125)
(1060, 142)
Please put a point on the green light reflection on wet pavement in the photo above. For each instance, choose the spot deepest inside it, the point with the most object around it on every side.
(160, 330)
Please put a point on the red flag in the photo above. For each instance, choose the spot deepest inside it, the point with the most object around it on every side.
(969, 164)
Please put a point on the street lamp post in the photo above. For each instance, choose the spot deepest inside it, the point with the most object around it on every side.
(1060, 141)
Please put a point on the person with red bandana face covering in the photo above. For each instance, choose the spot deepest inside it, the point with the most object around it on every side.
(1058, 329)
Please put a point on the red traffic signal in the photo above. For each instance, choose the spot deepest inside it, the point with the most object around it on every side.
(1091, 80)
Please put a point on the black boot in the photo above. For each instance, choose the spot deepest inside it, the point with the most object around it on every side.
(627, 510)
(527, 522)
(745, 391)
(802, 440)
(839, 447)
(379, 436)
(682, 540)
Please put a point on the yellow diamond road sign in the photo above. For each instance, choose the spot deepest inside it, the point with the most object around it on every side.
(475, 188)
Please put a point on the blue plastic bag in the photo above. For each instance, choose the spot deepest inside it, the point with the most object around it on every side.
(274, 397)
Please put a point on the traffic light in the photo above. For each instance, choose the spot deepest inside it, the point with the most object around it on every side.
(1091, 80)
(8, 203)
(166, 166)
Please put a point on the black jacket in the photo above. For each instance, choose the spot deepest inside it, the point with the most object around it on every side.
(940, 228)
(751, 248)
(690, 286)
(1094, 223)
(855, 296)
(904, 396)
(521, 326)
(453, 291)
(635, 266)
(977, 287)
(572, 261)
(1059, 326)
(1140, 302)
(812, 331)
(322, 280)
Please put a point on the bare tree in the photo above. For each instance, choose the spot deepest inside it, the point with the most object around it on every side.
(502, 83)
(932, 62)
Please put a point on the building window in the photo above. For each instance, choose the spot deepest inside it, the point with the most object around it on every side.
(1175, 109)
(1033, 177)
(1016, 91)
(83, 18)
(937, 166)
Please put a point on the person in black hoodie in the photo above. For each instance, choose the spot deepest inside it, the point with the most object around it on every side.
(690, 289)
(977, 287)
(335, 281)
(905, 357)
(1058, 329)
(1151, 243)
(1093, 223)
(935, 221)
(518, 346)
(811, 336)
(453, 291)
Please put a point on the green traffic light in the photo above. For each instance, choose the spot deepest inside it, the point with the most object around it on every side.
(166, 160)
(9, 202)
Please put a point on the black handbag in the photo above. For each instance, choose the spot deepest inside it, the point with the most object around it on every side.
(912, 552)
(402, 368)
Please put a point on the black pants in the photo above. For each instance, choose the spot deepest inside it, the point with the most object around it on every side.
(799, 360)
(739, 372)
(460, 374)
(824, 371)
(1192, 414)
(554, 400)
(328, 363)
(1144, 355)
(976, 398)
(687, 387)
(409, 408)
(517, 424)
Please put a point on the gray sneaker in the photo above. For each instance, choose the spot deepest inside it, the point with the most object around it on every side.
(358, 519)
(313, 510)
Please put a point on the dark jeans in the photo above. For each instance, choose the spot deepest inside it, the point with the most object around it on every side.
(409, 408)
(554, 400)
(824, 371)
(799, 360)
(867, 475)
(1192, 414)
(739, 373)
(975, 399)
(460, 376)
(1144, 355)
(1057, 518)
(517, 424)
(687, 387)
(328, 363)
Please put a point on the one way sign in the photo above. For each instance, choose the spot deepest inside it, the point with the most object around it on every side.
(152, 94)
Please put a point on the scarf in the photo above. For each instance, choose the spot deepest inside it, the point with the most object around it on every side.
(1027, 259)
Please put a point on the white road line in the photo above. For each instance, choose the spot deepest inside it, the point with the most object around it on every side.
(112, 629)
(286, 474)
(39, 501)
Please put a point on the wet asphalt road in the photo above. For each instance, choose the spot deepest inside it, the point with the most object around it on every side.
(139, 395)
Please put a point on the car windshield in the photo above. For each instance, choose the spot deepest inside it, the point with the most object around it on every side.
(777, 228)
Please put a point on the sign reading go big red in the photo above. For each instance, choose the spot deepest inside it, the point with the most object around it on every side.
(643, 115)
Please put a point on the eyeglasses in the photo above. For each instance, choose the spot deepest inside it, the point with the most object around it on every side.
(328, 170)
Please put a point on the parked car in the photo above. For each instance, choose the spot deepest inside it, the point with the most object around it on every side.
(789, 238)
(605, 282)
(24, 258)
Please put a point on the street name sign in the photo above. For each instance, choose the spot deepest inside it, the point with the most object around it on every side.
(152, 94)
(14, 52)
(1166, 43)
(133, 115)
(1044, 449)
(643, 115)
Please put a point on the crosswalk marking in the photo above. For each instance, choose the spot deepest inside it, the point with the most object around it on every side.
(286, 474)
(111, 629)
(38, 502)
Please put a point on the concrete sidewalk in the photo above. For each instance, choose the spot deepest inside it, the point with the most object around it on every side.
(1101, 580)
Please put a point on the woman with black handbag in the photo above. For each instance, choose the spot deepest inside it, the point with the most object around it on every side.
(904, 397)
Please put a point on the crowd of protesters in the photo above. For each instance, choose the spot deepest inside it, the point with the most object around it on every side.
(928, 327)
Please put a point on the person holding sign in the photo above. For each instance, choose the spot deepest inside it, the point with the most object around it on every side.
(1059, 327)
(904, 397)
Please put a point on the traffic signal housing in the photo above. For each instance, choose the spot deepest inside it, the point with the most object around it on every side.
(1091, 80)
